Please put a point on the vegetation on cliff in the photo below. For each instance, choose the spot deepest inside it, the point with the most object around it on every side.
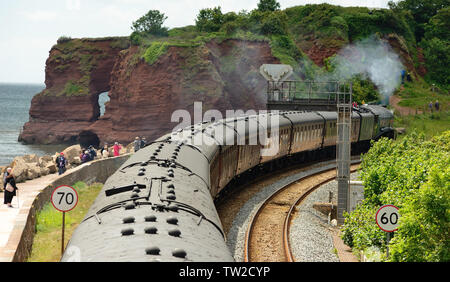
(305, 37)
(83, 53)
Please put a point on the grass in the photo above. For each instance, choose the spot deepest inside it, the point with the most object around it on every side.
(154, 51)
(47, 240)
(429, 123)
(418, 94)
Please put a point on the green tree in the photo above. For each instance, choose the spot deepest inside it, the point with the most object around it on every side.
(274, 23)
(439, 25)
(210, 20)
(421, 10)
(437, 60)
(151, 23)
(268, 5)
(424, 227)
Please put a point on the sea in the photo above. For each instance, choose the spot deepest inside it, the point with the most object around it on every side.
(15, 102)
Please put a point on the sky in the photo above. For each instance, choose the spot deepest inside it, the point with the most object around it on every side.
(28, 29)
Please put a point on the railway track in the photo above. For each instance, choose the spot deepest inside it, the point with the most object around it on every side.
(267, 236)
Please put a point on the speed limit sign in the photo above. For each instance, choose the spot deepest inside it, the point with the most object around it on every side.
(64, 198)
(387, 218)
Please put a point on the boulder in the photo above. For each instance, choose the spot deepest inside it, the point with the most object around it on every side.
(20, 169)
(44, 160)
(2, 170)
(51, 167)
(33, 171)
(130, 148)
(76, 160)
(30, 158)
(71, 153)
(44, 171)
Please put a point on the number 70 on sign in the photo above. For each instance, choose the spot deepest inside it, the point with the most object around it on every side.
(64, 198)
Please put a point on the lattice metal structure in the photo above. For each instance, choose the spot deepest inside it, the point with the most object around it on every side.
(302, 95)
(285, 94)
(343, 147)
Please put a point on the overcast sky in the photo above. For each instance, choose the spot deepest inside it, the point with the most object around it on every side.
(28, 29)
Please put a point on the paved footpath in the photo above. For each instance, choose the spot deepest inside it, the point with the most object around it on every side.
(13, 220)
(344, 252)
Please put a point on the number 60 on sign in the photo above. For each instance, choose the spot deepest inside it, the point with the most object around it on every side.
(387, 218)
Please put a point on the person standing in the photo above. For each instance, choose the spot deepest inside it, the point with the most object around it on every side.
(137, 144)
(5, 174)
(104, 152)
(436, 105)
(10, 188)
(86, 157)
(430, 105)
(61, 163)
(143, 142)
(116, 149)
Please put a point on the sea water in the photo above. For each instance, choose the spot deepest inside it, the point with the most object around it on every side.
(15, 102)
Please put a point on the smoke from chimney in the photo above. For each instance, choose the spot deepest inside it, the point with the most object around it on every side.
(371, 58)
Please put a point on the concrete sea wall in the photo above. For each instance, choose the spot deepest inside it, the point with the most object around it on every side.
(95, 171)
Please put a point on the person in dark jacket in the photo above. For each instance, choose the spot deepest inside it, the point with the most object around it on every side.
(61, 163)
(92, 152)
(143, 142)
(137, 144)
(10, 181)
(85, 157)
(5, 174)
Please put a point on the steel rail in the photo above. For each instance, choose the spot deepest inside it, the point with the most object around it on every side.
(286, 223)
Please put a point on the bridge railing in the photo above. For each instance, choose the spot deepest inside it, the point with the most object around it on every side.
(304, 92)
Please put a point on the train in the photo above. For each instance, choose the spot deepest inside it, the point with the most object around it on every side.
(159, 205)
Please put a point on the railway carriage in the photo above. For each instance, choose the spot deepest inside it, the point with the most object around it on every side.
(159, 205)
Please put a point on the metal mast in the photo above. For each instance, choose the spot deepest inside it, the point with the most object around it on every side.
(343, 145)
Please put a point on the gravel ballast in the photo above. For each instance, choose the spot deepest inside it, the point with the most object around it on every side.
(237, 231)
(310, 234)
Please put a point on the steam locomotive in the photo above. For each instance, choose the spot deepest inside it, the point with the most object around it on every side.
(159, 205)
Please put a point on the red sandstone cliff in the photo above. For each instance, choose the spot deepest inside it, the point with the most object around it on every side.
(143, 96)
(223, 76)
(76, 73)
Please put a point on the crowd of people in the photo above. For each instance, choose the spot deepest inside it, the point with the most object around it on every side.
(87, 154)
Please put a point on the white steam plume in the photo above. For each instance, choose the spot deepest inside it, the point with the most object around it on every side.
(372, 58)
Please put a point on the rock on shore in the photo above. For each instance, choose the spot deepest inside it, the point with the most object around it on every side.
(31, 166)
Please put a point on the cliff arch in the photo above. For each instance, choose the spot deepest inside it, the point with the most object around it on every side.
(88, 138)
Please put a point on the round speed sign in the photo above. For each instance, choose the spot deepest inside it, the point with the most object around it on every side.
(387, 218)
(64, 198)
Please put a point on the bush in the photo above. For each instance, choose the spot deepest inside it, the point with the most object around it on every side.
(274, 23)
(209, 20)
(63, 39)
(136, 38)
(414, 175)
(151, 23)
(156, 50)
(268, 5)
(437, 60)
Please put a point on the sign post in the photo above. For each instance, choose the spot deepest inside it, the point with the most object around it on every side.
(387, 219)
(64, 198)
